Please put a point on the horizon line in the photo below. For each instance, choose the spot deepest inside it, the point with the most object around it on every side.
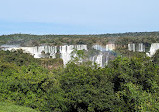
(82, 34)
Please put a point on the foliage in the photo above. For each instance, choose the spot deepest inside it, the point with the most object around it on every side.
(118, 38)
(126, 84)
(136, 83)
(156, 57)
(87, 89)
(17, 57)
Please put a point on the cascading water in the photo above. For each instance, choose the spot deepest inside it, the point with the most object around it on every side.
(131, 47)
(141, 47)
(154, 47)
(65, 51)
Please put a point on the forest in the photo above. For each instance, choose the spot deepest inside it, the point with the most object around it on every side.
(118, 38)
(129, 83)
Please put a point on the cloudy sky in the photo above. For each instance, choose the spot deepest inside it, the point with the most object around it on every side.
(78, 16)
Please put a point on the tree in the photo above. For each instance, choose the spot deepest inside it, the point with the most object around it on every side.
(87, 89)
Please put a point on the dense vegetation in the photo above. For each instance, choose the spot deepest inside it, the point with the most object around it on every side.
(126, 84)
(118, 38)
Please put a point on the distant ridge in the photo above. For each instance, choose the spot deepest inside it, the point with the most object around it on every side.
(106, 34)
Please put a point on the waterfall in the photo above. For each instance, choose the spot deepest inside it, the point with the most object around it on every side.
(107, 48)
(107, 59)
(141, 47)
(65, 52)
(154, 47)
(99, 60)
(131, 47)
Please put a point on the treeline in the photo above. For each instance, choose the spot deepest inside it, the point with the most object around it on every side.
(118, 38)
(126, 84)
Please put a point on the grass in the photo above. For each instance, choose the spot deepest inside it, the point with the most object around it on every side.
(9, 107)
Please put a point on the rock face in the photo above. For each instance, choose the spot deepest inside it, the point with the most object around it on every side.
(110, 47)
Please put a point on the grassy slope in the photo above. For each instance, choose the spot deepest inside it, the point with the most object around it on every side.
(8, 107)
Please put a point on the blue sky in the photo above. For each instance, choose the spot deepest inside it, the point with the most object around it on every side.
(78, 16)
